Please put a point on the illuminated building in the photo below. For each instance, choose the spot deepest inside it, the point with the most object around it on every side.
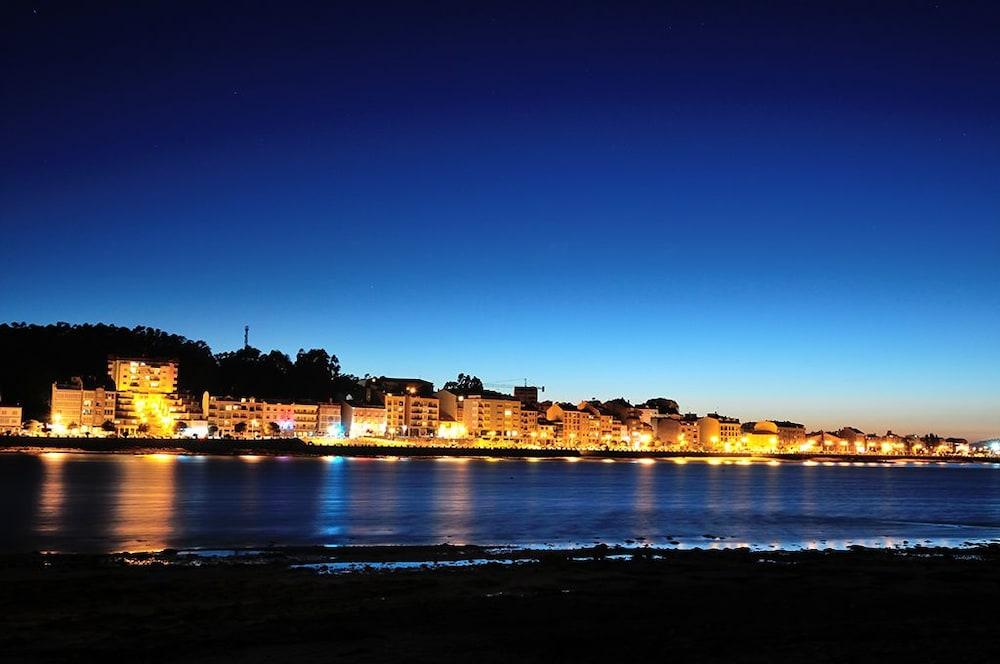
(411, 414)
(679, 431)
(253, 418)
(824, 441)
(451, 430)
(760, 437)
(10, 420)
(717, 433)
(328, 420)
(143, 375)
(363, 419)
(529, 423)
(609, 429)
(81, 408)
(579, 428)
(492, 415)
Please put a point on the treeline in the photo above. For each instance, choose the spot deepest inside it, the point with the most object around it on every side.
(32, 357)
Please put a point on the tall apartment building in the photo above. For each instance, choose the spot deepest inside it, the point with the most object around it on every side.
(10, 420)
(136, 374)
(147, 400)
(411, 415)
(492, 416)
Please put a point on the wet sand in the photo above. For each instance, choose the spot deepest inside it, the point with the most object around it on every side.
(588, 605)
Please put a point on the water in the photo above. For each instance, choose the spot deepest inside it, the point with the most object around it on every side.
(101, 503)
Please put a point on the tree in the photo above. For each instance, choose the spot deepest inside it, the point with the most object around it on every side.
(465, 384)
(142, 428)
(180, 427)
(212, 430)
(240, 427)
(664, 406)
(313, 374)
(274, 428)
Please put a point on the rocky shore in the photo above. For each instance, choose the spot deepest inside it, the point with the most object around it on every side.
(451, 603)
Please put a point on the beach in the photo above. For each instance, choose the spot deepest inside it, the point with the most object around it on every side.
(585, 605)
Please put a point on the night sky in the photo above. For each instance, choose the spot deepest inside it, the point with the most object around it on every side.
(774, 210)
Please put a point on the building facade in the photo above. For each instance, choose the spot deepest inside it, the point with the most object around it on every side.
(493, 416)
(411, 415)
(76, 408)
(10, 420)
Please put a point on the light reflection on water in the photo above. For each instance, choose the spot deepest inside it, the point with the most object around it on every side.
(117, 502)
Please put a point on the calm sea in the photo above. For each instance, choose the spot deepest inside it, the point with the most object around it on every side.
(67, 502)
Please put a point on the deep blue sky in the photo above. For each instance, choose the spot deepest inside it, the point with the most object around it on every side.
(776, 210)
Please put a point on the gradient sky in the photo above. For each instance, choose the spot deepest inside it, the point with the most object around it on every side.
(774, 210)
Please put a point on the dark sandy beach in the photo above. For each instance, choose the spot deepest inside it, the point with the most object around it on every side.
(916, 605)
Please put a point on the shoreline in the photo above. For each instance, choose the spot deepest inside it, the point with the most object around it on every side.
(586, 605)
(298, 448)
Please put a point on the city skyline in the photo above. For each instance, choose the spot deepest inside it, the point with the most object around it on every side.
(766, 212)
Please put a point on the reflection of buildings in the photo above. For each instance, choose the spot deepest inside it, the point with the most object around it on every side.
(145, 508)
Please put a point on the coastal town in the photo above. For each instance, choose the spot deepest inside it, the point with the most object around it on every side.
(140, 398)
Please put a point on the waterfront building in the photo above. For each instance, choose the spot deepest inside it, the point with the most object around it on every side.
(10, 420)
(450, 406)
(361, 419)
(529, 422)
(79, 407)
(680, 431)
(578, 428)
(328, 420)
(231, 417)
(608, 429)
(824, 441)
(492, 415)
(450, 429)
(791, 435)
(143, 375)
(759, 437)
(718, 433)
(147, 401)
(410, 414)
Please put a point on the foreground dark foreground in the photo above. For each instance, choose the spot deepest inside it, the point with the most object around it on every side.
(919, 605)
